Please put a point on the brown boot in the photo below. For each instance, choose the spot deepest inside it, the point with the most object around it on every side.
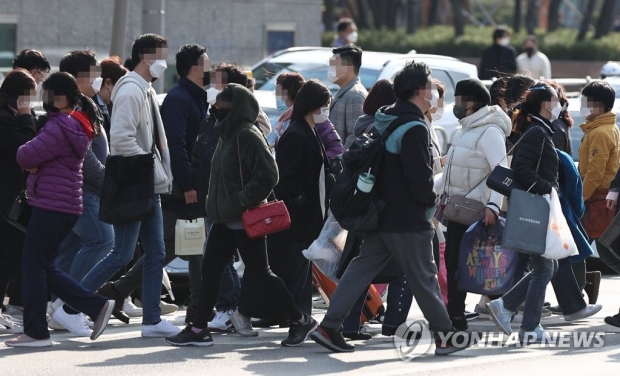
(110, 292)
(593, 283)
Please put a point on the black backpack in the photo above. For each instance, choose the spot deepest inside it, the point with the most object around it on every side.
(354, 210)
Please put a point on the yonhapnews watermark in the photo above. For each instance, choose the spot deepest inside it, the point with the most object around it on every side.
(413, 339)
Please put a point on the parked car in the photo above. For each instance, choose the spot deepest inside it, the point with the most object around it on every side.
(312, 62)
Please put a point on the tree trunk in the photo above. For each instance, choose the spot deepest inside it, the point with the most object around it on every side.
(587, 19)
(434, 13)
(604, 22)
(328, 15)
(517, 18)
(459, 22)
(362, 21)
(532, 16)
(392, 8)
(554, 15)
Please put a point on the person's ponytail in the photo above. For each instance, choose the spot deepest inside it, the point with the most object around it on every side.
(90, 109)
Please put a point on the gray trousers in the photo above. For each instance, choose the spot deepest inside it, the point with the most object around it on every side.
(414, 253)
(132, 281)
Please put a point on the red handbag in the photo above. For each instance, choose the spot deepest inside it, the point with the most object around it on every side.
(264, 219)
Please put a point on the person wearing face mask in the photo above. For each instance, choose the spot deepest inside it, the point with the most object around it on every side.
(598, 164)
(500, 59)
(348, 103)
(287, 86)
(16, 128)
(477, 147)
(536, 165)
(302, 161)
(137, 128)
(405, 231)
(183, 110)
(36, 63)
(532, 62)
(243, 175)
(347, 33)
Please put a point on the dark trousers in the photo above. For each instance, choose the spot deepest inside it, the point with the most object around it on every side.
(456, 298)
(221, 246)
(566, 288)
(11, 247)
(46, 231)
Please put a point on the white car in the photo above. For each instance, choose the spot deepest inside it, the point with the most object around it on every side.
(312, 62)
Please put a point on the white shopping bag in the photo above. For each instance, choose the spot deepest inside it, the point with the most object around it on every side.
(190, 237)
(560, 242)
(326, 251)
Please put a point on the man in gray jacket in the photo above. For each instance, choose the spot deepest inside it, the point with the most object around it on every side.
(346, 107)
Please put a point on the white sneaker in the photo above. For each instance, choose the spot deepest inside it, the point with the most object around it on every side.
(16, 313)
(73, 323)
(162, 329)
(131, 309)
(167, 308)
(8, 325)
(55, 325)
(222, 322)
(53, 306)
(87, 321)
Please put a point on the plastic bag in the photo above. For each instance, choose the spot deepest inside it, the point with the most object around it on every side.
(560, 242)
(325, 252)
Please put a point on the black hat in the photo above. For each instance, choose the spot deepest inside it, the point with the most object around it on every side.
(473, 88)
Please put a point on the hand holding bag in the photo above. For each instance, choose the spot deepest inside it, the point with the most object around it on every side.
(459, 208)
(560, 242)
(485, 267)
(264, 219)
(19, 212)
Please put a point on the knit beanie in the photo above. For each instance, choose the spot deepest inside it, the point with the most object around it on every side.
(474, 89)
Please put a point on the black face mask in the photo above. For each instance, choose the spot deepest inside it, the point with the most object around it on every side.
(206, 79)
(219, 113)
(49, 107)
(460, 112)
(529, 51)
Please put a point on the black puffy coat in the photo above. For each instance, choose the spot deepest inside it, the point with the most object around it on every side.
(527, 157)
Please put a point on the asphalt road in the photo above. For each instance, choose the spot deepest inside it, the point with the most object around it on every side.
(121, 351)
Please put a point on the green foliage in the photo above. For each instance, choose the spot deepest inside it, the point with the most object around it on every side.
(559, 45)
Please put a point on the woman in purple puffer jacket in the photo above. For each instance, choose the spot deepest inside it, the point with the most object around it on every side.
(54, 160)
(287, 86)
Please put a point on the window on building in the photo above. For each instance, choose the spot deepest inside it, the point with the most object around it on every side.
(8, 40)
(279, 36)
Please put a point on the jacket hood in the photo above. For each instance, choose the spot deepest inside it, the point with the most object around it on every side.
(364, 121)
(386, 115)
(128, 78)
(488, 115)
(73, 132)
(383, 120)
(606, 118)
(244, 111)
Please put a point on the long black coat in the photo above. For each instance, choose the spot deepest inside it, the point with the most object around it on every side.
(14, 132)
(300, 156)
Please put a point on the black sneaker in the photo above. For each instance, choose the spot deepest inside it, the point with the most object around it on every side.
(469, 316)
(613, 320)
(455, 341)
(357, 336)
(298, 333)
(188, 337)
(331, 340)
(459, 323)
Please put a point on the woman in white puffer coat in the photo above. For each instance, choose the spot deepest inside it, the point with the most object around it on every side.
(476, 149)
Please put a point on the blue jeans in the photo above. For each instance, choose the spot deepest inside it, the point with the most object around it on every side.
(46, 231)
(151, 234)
(88, 243)
(531, 290)
(230, 286)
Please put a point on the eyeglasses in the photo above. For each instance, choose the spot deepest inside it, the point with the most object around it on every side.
(42, 73)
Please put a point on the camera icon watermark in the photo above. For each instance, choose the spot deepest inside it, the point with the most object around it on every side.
(412, 339)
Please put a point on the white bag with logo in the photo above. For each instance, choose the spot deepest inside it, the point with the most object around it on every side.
(560, 242)
(190, 237)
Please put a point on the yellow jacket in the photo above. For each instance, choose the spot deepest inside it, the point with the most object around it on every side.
(599, 153)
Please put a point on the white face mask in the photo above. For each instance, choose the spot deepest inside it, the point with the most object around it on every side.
(438, 114)
(212, 95)
(322, 117)
(39, 88)
(96, 85)
(352, 38)
(555, 111)
(504, 41)
(157, 68)
(332, 74)
(584, 112)
(434, 97)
